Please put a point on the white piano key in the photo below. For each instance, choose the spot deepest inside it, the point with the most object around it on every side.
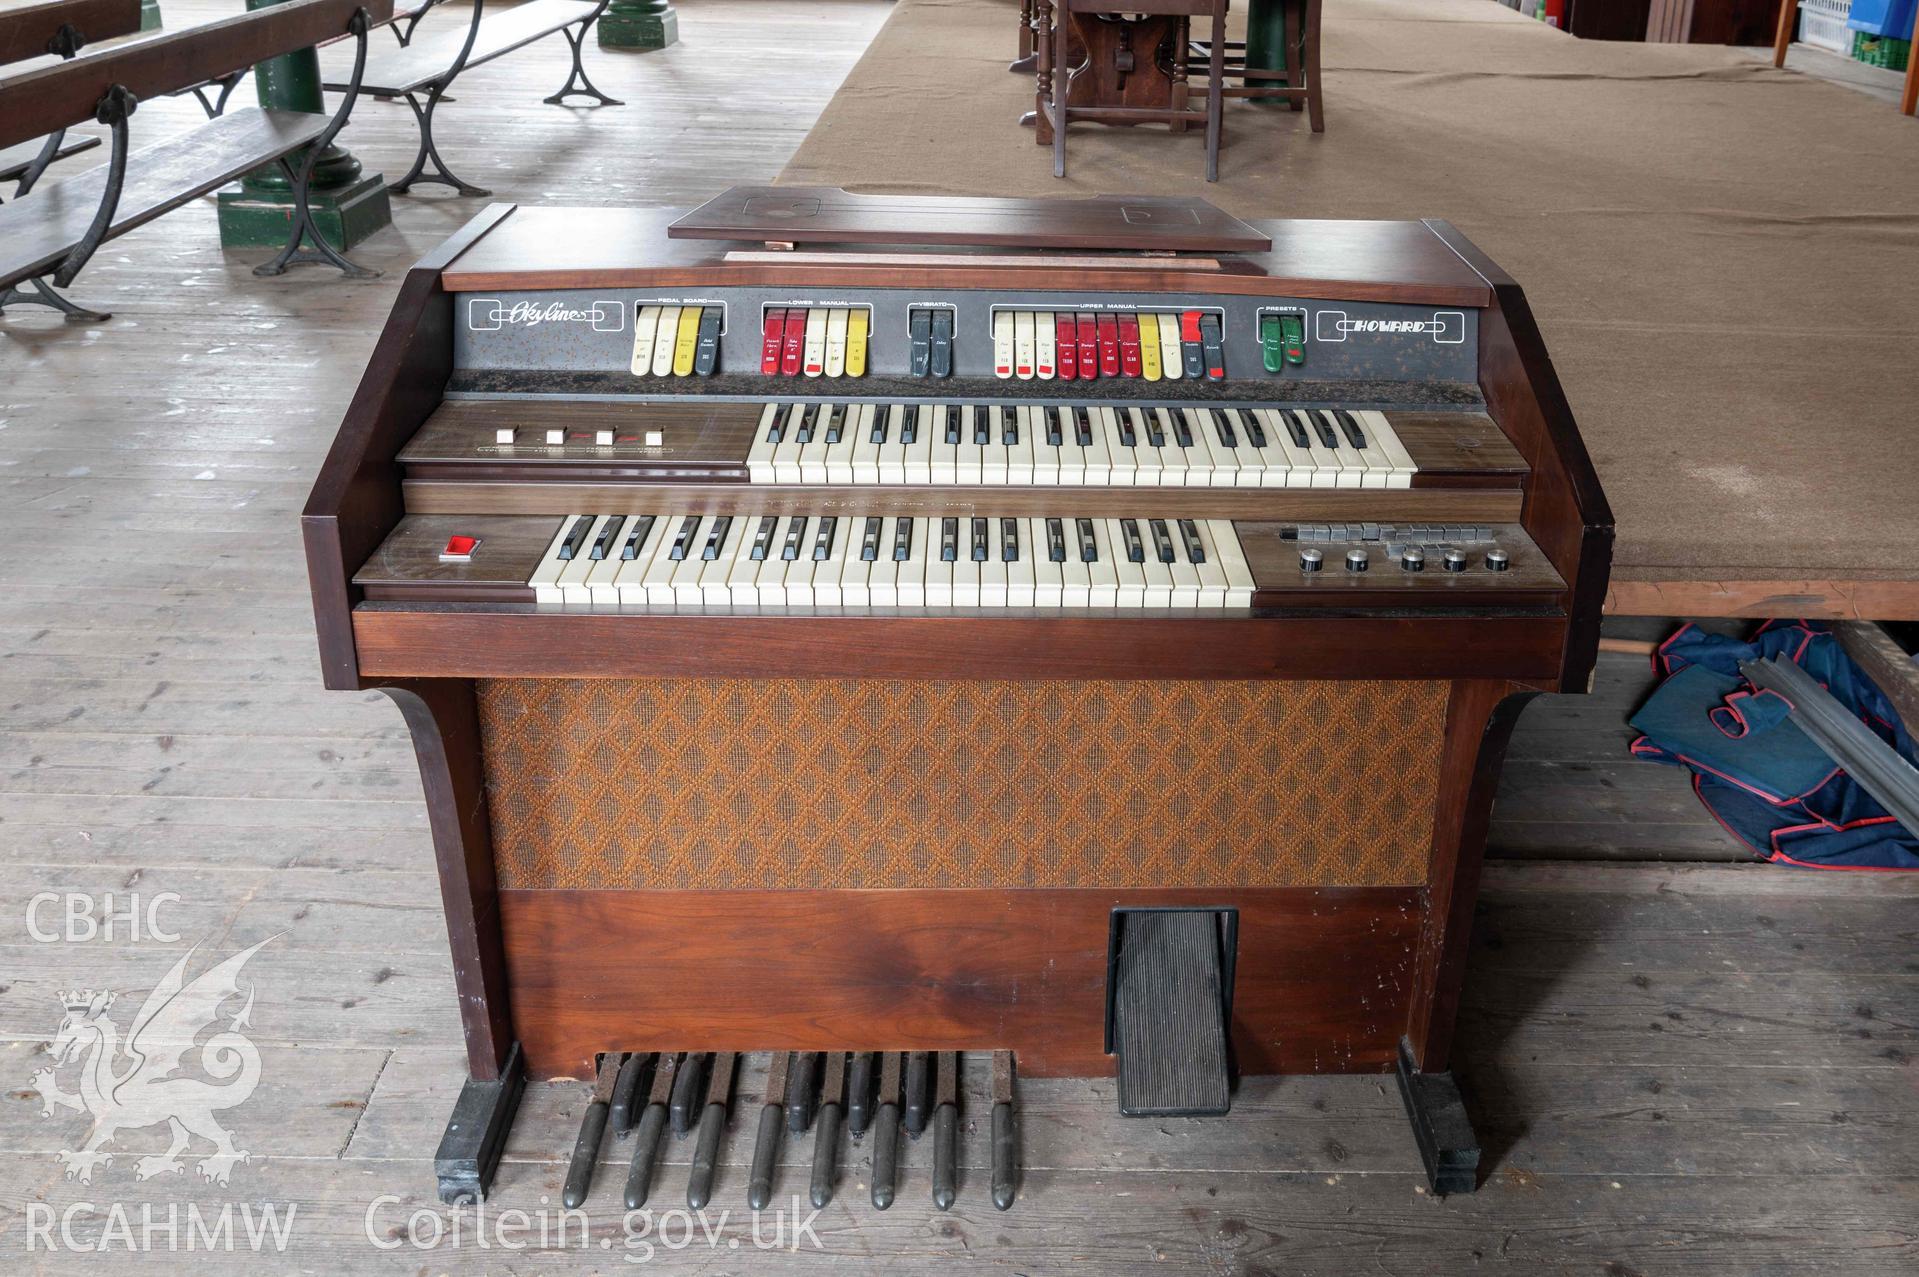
(966, 571)
(1322, 466)
(545, 580)
(759, 458)
(571, 582)
(839, 456)
(1213, 581)
(601, 576)
(1046, 460)
(883, 573)
(813, 345)
(1232, 560)
(1186, 583)
(1274, 464)
(663, 339)
(826, 572)
(800, 570)
(944, 468)
(1023, 345)
(1175, 462)
(1099, 455)
(812, 461)
(892, 453)
(786, 454)
(646, 326)
(970, 468)
(1352, 470)
(685, 581)
(912, 573)
(1159, 575)
(855, 572)
(926, 440)
(1076, 575)
(1019, 454)
(1104, 572)
(629, 582)
(995, 573)
(1121, 462)
(742, 576)
(1380, 431)
(769, 576)
(865, 458)
(715, 586)
(1049, 578)
(1072, 453)
(1131, 590)
(1252, 461)
(836, 342)
(658, 578)
(1299, 461)
(1145, 471)
(1208, 454)
(1021, 577)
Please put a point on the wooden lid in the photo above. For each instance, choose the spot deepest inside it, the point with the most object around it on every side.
(828, 215)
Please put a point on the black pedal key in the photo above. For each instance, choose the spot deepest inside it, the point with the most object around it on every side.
(706, 1153)
(766, 1147)
(886, 1133)
(684, 1107)
(859, 1093)
(914, 1108)
(586, 1149)
(652, 1125)
(826, 1135)
(1005, 1141)
(802, 1090)
(946, 1131)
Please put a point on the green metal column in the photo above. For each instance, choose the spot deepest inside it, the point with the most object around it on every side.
(1266, 43)
(149, 15)
(348, 205)
(639, 24)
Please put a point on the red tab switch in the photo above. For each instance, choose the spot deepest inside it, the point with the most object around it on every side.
(1065, 351)
(1088, 347)
(1189, 325)
(1129, 345)
(795, 346)
(770, 344)
(1108, 346)
(459, 549)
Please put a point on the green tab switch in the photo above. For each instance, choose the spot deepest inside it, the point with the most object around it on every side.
(1292, 330)
(1269, 341)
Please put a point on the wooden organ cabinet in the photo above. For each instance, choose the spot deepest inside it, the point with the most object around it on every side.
(874, 629)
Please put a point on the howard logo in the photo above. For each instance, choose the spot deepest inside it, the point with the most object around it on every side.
(132, 1084)
(490, 314)
(1447, 327)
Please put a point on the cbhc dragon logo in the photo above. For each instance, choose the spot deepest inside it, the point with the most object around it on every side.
(129, 1085)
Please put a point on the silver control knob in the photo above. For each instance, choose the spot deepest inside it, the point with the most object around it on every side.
(1455, 560)
(1412, 559)
(1497, 560)
(1310, 560)
(1357, 560)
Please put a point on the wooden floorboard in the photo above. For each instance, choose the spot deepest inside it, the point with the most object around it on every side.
(1675, 1068)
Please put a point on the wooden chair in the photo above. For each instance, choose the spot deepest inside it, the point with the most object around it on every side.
(1114, 47)
(1301, 90)
(1788, 15)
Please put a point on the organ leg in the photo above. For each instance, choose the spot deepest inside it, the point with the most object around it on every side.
(443, 719)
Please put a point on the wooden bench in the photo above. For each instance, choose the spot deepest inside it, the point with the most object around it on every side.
(220, 88)
(428, 65)
(57, 227)
(56, 30)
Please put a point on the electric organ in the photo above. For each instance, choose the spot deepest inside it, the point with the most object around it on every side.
(869, 630)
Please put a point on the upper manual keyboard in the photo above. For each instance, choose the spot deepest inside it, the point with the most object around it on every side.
(1071, 444)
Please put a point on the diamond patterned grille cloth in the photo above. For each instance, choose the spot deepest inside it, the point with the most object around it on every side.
(737, 784)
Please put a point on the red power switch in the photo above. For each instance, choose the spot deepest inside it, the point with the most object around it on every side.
(1065, 350)
(1108, 346)
(459, 549)
(1129, 345)
(770, 345)
(795, 343)
(1088, 347)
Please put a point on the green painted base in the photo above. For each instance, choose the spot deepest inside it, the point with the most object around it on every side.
(344, 216)
(149, 15)
(641, 31)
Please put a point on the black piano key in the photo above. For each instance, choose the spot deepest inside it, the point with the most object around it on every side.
(902, 540)
(717, 537)
(1182, 431)
(1088, 546)
(979, 540)
(1327, 435)
(795, 533)
(603, 543)
(1223, 428)
(1009, 540)
(763, 538)
(1254, 431)
(952, 414)
(1008, 425)
(1296, 426)
(636, 536)
(1082, 426)
(1135, 548)
(870, 539)
(823, 543)
(1155, 433)
(949, 540)
(1128, 436)
(809, 419)
(1055, 541)
(776, 431)
(576, 537)
(1355, 435)
(1195, 548)
(1162, 541)
(910, 425)
(880, 415)
(683, 539)
(1055, 434)
(982, 425)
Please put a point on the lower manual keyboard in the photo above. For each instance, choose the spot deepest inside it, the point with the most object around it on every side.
(885, 561)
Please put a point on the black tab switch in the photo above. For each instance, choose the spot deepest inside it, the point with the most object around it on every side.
(921, 332)
(942, 341)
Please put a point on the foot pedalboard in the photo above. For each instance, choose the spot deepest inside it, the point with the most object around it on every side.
(862, 1094)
